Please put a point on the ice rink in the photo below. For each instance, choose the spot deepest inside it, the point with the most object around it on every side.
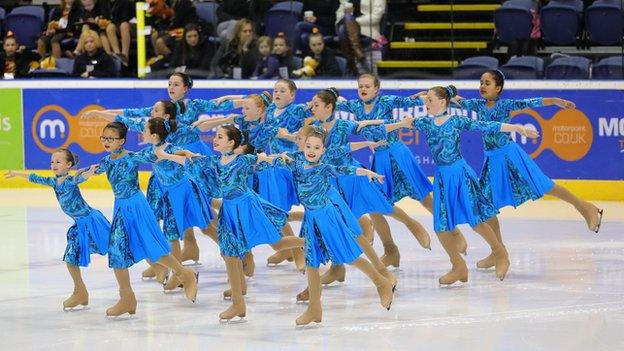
(565, 291)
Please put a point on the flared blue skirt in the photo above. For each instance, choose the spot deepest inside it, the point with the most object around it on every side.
(510, 177)
(327, 237)
(362, 195)
(154, 195)
(88, 235)
(345, 212)
(458, 198)
(403, 175)
(135, 234)
(247, 221)
(184, 206)
(275, 185)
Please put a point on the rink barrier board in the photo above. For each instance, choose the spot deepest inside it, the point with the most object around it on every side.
(592, 166)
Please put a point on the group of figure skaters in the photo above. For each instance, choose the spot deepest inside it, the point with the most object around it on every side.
(278, 154)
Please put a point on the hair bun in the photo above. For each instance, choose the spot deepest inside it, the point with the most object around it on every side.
(333, 91)
(281, 35)
(10, 34)
(452, 91)
(266, 98)
(315, 30)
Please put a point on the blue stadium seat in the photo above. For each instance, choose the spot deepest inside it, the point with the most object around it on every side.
(523, 67)
(65, 64)
(207, 12)
(50, 73)
(2, 18)
(609, 68)
(513, 20)
(603, 22)
(26, 23)
(473, 67)
(572, 67)
(560, 22)
(283, 17)
(30, 10)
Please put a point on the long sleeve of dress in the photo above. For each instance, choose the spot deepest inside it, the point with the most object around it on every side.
(133, 124)
(37, 179)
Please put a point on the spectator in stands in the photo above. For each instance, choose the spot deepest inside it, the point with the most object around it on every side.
(323, 16)
(327, 64)
(94, 15)
(94, 62)
(164, 41)
(267, 63)
(15, 60)
(239, 52)
(121, 14)
(193, 54)
(359, 18)
(283, 54)
(228, 13)
(60, 27)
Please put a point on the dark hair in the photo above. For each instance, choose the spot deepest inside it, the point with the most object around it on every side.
(446, 93)
(170, 109)
(317, 132)
(120, 128)
(186, 79)
(282, 36)
(329, 96)
(69, 156)
(246, 147)
(186, 48)
(234, 134)
(499, 77)
(374, 77)
(161, 126)
(291, 85)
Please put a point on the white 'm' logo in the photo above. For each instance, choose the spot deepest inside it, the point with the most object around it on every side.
(51, 125)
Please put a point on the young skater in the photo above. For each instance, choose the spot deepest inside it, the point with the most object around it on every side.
(509, 176)
(403, 175)
(135, 234)
(90, 231)
(457, 196)
(245, 220)
(187, 112)
(328, 237)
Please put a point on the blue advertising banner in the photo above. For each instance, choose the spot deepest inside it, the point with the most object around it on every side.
(585, 143)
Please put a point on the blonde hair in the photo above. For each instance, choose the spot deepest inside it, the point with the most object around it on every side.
(89, 34)
(265, 39)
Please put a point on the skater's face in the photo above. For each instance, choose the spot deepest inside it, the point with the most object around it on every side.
(111, 140)
(150, 137)
(316, 44)
(279, 46)
(177, 90)
(314, 148)
(192, 38)
(488, 88)
(251, 110)
(158, 110)
(282, 95)
(321, 110)
(221, 142)
(367, 88)
(10, 46)
(59, 163)
(434, 104)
